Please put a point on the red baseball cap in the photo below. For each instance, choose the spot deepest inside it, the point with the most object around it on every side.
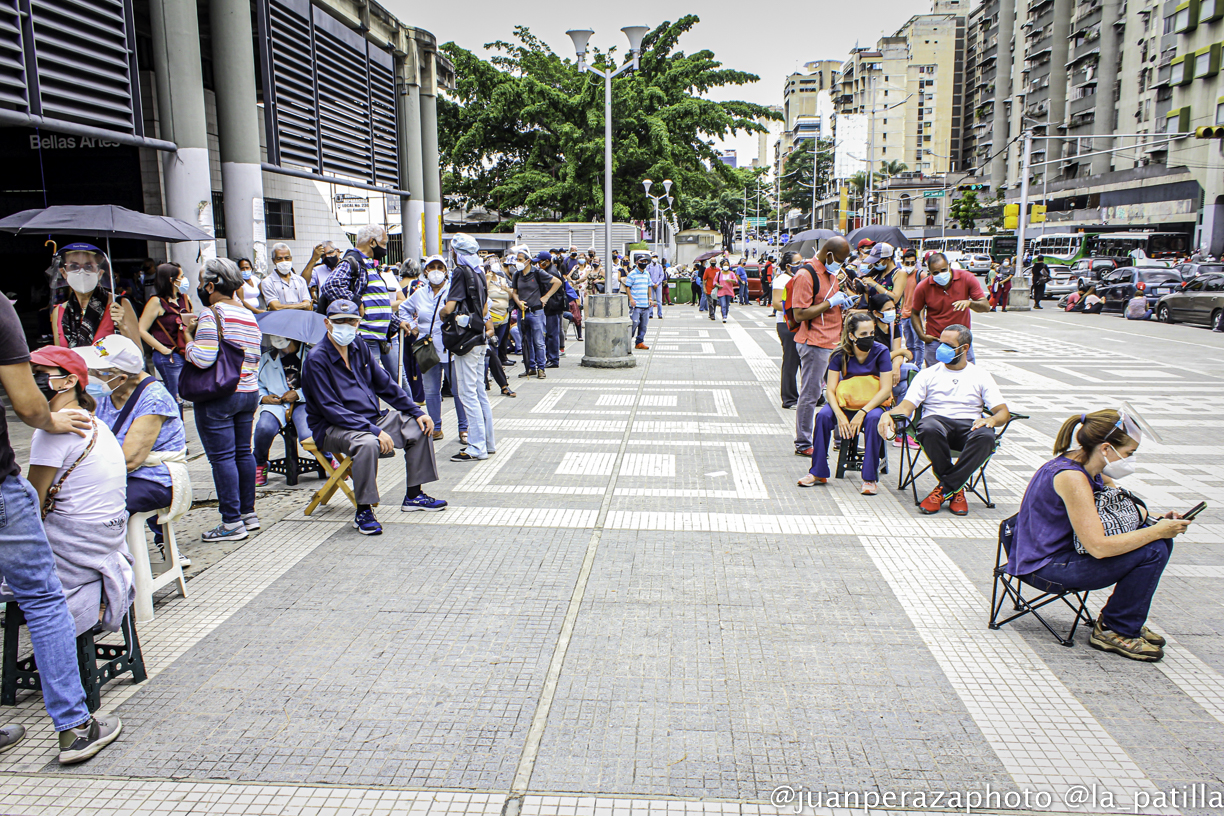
(62, 358)
(865, 243)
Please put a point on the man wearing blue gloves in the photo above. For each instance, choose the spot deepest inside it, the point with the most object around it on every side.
(815, 302)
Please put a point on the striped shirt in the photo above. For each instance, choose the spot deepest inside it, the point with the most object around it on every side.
(639, 286)
(376, 299)
(241, 329)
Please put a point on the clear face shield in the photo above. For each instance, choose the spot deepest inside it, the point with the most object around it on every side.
(81, 267)
(1132, 423)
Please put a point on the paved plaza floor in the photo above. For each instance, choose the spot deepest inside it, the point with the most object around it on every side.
(631, 610)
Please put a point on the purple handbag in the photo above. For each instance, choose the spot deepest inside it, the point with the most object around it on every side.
(218, 380)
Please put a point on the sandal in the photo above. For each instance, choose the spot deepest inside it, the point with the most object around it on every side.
(506, 392)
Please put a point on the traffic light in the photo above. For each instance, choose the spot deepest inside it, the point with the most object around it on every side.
(1216, 132)
(966, 187)
(1011, 216)
(1038, 214)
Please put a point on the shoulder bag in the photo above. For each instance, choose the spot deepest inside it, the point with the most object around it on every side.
(1121, 512)
(218, 380)
(48, 506)
(423, 348)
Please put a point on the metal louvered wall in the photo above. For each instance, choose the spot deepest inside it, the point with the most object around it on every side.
(72, 61)
(329, 95)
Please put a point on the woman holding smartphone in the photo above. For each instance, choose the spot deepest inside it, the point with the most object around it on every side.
(1077, 530)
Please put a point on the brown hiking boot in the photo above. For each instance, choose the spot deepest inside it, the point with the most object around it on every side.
(1135, 648)
(1144, 632)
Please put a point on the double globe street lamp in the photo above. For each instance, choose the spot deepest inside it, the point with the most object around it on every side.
(658, 227)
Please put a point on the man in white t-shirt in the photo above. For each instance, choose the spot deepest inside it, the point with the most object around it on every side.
(790, 354)
(954, 395)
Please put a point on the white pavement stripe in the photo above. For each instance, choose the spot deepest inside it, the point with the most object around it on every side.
(617, 426)
(1191, 571)
(499, 517)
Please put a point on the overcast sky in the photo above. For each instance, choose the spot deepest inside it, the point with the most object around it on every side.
(770, 40)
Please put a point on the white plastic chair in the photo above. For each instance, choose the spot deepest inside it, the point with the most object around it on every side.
(146, 584)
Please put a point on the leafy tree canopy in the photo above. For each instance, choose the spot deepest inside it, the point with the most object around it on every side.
(796, 182)
(523, 132)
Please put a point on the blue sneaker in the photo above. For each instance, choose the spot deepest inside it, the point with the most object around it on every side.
(422, 502)
(366, 524)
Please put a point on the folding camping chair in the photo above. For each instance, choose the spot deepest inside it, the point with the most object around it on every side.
(335, 478)
(907, 428)
(1011, 588)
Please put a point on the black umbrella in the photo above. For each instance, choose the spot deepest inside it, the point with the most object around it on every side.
(705, 256)
(877, 233)
(814, 235)
(102, 221)
(806, 243)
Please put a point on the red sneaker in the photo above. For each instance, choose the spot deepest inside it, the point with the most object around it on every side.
(958, 505)
(261, 475)
(933, 502)
(642, 346)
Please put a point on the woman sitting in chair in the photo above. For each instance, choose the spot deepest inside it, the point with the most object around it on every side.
(280, 383)
(859, 384)
(81, 483)
(1062, 540)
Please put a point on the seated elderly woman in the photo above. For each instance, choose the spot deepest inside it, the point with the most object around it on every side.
(144, 418)
(81, 483)
(280, 384)
(1063, 541)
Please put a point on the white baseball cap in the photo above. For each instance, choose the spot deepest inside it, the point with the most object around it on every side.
(114, 351)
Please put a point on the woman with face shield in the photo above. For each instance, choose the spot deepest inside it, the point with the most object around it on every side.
(420, 317)
(1077, 529)
(89, 312)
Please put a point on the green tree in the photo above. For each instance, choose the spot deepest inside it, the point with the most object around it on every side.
(722, 208)
(523, 132)
(796, 182)
(966, 210)
(888, 169)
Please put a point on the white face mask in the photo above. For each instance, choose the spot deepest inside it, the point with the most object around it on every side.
(285, 267)
(279, 343)
(520, 265)
(1119, 468)
(437, 277)
(83, 282)
(344, 333)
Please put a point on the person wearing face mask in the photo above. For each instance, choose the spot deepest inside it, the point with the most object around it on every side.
(421, 315)
(323, 259)
(467, 307)
(499, 317)
(351, 274)
(89, 312)
(791, 261)
(954, 394)
(224, 422)
(556, 303)
(161, 325)
(1061, 541)
(814, 304)
(910, 271)
(284, 288)
(946, 297)
(641, 301)
(852, 408)
(343, 384)
(880, 276)
(888, 334)
(280, 392)
(530, 288)
(249, 294)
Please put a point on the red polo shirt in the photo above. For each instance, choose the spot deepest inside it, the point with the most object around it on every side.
(938, 300)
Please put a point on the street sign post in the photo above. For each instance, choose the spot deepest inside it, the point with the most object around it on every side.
(932, 193)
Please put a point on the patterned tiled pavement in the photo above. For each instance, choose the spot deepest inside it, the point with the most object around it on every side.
(631, 610)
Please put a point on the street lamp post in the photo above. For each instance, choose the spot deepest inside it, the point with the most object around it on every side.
(581, 36)
(667, 185)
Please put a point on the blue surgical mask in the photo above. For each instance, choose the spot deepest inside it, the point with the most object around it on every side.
(833, 266)
(98, 390)
(184, 287)
(246, 274)
(344, 333)
(943, 278)
(888, 317)
(880, 267)
(945, 353)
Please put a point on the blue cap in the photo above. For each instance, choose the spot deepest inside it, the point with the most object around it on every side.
(81, 247)
(347, 308)
(544, 255)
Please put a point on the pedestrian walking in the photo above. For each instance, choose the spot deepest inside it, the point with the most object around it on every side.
(467, 308)
(726, 282)
(1041, 276)
(421, 316)
(658, 284)
(791, 262)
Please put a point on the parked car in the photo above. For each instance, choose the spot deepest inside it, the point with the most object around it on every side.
(753, 268)
(1199, 300)
(1118, 286)
(1088, 270)
(1062, 281)
(978, 264)
(1189, 271)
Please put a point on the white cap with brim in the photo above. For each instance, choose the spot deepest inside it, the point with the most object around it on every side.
(112, 352)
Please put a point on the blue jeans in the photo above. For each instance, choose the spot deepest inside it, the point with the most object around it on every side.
(640, 316)
(912, 342)
(725, 302)
(169, 367)
(532, 329)
(826, 421)
(28, 566)
(658, 296)
(224, 426)
(390, 360)
(433, 395)
(933, 346)
(552, 338)
(268, 427)
(703, 302)
(1136, 574)
(471, 396)
(743, 293)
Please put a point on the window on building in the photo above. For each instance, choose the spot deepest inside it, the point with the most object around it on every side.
(218, 207)
(278, 218)
(931, 218)
(1168, 23)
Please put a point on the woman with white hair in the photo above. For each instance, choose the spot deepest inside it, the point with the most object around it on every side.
(224, 423)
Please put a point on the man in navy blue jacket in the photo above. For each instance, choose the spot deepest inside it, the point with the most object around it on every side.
(342, 383)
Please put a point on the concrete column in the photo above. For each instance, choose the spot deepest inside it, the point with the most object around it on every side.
(1003, 69)
(1016, 123)
(238, 128)
(432, 181)
(412, 177)
(1058, 82)
(1212, 233)
(180, 102)
(1107, 74)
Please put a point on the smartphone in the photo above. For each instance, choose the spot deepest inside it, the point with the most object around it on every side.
(1194, 511)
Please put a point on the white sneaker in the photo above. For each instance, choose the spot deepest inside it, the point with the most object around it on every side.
(250, 521)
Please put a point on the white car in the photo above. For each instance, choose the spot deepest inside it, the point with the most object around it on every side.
(1063, 281)
(977, 264)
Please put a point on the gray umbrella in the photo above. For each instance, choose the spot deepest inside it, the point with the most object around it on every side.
(102, 221)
